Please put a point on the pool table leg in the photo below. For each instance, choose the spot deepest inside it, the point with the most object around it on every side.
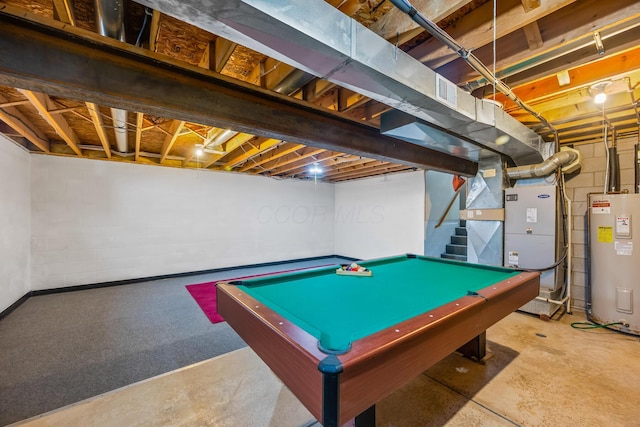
(366, 418)
(475, 349)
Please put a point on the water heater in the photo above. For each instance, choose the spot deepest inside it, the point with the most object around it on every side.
(614, 261)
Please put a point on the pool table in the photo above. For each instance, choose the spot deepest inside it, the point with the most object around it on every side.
(342, 343)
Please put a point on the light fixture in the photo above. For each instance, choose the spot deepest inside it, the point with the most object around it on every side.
(315, 169)
(600, 98)
(598, 92)
(201, 149)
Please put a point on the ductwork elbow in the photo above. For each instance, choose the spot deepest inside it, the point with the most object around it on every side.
(567, 158)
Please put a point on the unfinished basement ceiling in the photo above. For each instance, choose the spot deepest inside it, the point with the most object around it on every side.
(552, 66)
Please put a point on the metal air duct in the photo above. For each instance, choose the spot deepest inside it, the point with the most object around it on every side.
(320, 40)
(110, 23)
(568, 158)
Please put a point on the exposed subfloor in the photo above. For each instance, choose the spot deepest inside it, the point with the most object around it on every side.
(541, 374)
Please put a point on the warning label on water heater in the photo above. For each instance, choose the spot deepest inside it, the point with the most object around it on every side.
(605, 234)
(624, 248)
(601, 207)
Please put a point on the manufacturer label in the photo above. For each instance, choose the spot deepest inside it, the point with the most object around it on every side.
(600, 207)
(489, 173)
(513, 258)
(532, 214)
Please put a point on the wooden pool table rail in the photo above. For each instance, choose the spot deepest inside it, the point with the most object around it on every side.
(377, 364)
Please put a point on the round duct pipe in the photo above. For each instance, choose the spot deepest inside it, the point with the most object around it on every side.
(567, 158)
(110, 23)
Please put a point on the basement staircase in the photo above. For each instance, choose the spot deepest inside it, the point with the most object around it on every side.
(457, 249)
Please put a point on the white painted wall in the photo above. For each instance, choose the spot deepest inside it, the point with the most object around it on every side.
(379, 217)
(15, 223)
(96, 221)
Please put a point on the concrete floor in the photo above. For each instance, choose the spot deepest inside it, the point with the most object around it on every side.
(541, 374)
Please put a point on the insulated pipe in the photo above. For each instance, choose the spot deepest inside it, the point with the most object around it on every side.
(220, 138)
(120, 129)
(469, 57)
(545, 168)
(110, 23)
(293, 82)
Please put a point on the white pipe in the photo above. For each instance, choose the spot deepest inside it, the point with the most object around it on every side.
(553, 301)
(120, 129)
(221, 138)
(569, 245)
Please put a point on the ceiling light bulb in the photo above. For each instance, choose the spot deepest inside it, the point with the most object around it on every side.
(599, 91)
(315, 169)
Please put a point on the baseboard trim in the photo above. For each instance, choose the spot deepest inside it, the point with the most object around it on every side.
(26, 296)
(15, 305)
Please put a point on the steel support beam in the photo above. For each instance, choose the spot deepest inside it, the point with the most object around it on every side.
(41, 55)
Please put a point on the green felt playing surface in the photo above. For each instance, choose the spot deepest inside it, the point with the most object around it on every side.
(340, 309)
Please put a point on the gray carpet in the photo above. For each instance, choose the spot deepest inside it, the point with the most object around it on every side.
(62, 348)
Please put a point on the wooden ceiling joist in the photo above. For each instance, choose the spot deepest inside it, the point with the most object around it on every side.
(609, 67)
(42, 103)
(533, 35)
(324, 162)
(217, 54)
(63, 11)
(397, 27)
(72, 59)
(585, 17)
(257, 147)
(295, 167)
(78, 69)
(96, 117)
(228, 148)
(283, 164)
(272, 156)
(174, 130)
(375, 172)
(139, 120)
(372, 164)
(22, 125)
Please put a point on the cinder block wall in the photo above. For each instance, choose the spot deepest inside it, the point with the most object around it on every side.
(590, 179)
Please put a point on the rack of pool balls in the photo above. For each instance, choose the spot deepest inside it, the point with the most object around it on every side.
(353, 269)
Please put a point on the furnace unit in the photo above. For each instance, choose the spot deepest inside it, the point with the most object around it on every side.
(533, 239)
